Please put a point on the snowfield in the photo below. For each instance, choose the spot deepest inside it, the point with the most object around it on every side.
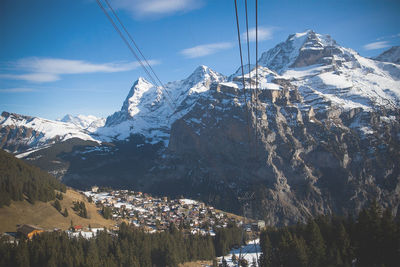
(249, 252)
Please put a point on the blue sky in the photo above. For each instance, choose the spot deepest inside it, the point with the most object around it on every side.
(62, 56)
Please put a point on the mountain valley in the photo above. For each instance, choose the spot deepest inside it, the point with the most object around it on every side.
(320, 136)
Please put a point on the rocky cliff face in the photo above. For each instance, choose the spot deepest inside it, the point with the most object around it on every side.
(323, 138)
(303, 162)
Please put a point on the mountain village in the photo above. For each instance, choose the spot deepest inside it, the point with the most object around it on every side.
(150, 214)
(158, 214)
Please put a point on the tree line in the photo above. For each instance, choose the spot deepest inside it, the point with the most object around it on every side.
(130, 246)
(372, 239)
(19, 180)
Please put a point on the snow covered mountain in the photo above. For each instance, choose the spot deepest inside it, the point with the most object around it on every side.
(391, 55)
(147, 110)
(89, 123)
(300, 50)
(326, 75)
(150, 110)
(325, 72)
(20, 133)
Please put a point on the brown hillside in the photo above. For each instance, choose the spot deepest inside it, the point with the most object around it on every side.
(46, 216)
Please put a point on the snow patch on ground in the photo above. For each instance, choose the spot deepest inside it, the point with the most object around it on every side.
(249, 252)
(27, 153)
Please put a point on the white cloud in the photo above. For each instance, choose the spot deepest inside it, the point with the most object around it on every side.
(66, 66)
(32, 77)
(51, 69)
(16, 90)
(264, 33)
(145, 8)
(376, 45)
(393, 36)
(205, 50)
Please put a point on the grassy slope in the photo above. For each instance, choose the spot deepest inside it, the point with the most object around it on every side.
(46, 216)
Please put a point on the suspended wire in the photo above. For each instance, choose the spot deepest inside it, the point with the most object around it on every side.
(248, 44)
(244, 93)
(129, 46)
(256, 91)
(124, 39)
(138, 49)
(241, 66)
(250, 80)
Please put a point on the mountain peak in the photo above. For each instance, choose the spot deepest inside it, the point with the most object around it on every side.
(66, 118)
(311, 40)
(201, 68)
(140, 87)
(300, 50)
(204, 73)
(13, 116)
(141, 80)
(88, 122)
(390, 55)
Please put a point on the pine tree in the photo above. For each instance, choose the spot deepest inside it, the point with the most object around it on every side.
(22, 255)
(316, 244)
(299, 252)
(57, 205)
(389, 241)
(106, 211)
(368, 235)
(266, 248)
(59, 196)
(344, 245)
(81, 209)
(65, 212)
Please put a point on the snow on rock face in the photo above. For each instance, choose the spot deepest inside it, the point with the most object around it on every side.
(360, 83)
(135, 95)
(328, 74)
(324, 73)
(301, 50)
(201, 78)
(150, 110)
(391, 55)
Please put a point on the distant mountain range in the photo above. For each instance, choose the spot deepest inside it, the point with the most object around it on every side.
(89, 123)
(322, 138)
